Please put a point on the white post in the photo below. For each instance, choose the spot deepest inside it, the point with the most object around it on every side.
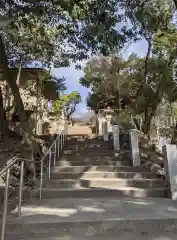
(110, 127)
(63, 118)
(116, 138)
(171, 168)
(134, 140)
(105, 131)
(162, 141)
(100, 122)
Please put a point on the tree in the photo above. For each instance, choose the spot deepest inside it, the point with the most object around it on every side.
(147, 17)
(160, 79)
(154, 88)
(94, 102)
(68, 102)
(71, 101)
(105, 77)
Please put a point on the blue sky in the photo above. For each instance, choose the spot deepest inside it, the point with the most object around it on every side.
(72, 75)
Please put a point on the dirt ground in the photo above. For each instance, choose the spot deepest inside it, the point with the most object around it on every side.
(76, 129)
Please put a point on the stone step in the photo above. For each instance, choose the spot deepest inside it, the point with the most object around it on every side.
(80, 169)
(101, 192)
(91, 168)
(84, 150)
(87, 162)
(101, 174)
(87, 149)
(105, 182)
(86, 219)
(123, 236)
(89, 143)
(88, 152)
(65, 166)
(88, 139)
(77, 157)
(92, 141)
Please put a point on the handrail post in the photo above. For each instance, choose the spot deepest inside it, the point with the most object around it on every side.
(61, 141)
(55, 154)
(41, 180)
(58, 146)
(21, 189)
(65, 135)
(50, 157)
(5, 205)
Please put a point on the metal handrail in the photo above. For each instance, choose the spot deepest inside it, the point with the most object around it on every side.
(15, 160)
(58, 146)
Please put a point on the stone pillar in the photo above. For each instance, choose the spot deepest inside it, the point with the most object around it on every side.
(100, 123)
(105, 131)
(62, 120)
(162, 141)
(110, 127)
(39, 127)
(170, 151)
(116, 138)
(134, 141)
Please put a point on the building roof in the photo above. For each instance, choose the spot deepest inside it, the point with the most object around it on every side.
(33, 71)
(49, 88)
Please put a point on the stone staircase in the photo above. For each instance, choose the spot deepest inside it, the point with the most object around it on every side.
(88, 168)
(94, 194)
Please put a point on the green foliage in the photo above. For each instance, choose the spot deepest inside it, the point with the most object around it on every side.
(68, 102)
(105, 77)
(142, 83)
(59, 32)
(126, 80)
(147, 16)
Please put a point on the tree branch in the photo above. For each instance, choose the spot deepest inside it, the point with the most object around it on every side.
(72, 110)
(147, 59)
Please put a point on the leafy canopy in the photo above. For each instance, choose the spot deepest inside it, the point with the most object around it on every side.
(58, 32)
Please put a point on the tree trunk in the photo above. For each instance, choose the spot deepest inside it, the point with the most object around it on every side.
(147, 123)
(117, 100)
(148, 116)
(4, 130)
(147, 59)
(28, 137)
(175, 2)
(11, 81)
